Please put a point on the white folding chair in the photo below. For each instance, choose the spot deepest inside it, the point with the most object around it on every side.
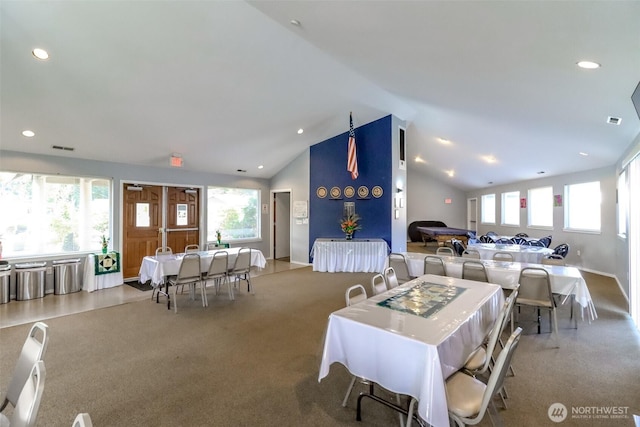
(434, 265)
(445, 250)
(188, 274)
(399, 264)
(390, 278)
(241, 269)
(378, 284)
(535, 291)
(503, 256)
(191, 248)
(474, 270)
(25, 412)
(471, 253)
(33, 349)
(82, 420)
(219, 272)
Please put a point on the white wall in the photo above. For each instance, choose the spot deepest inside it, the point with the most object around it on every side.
(295, 176)
(597, 251)
(426, 201)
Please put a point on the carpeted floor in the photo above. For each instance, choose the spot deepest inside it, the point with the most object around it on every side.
(254, 361)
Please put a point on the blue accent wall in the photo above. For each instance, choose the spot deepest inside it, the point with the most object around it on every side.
(328, 168)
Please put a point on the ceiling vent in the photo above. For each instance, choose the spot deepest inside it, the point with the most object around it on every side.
(614, 120)
(60, 147)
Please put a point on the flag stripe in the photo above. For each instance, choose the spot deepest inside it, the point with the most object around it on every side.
(352, 160)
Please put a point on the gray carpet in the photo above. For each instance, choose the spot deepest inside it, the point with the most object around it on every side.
(254, 361)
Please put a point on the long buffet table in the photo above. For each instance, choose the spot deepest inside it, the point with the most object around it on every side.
(357, 255)
(521, 253)
(565, 280)
(156, 268)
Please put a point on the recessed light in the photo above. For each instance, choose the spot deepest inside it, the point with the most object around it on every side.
(419, 159)
(40, 53)
(450, 173)
(260, 167)
(489, 159)
(588, 65)
(444, 141)
(300, 131)
(28, 133)
(295, 22)
(582, 153)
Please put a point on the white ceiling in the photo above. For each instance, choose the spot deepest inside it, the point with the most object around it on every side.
(228, 83)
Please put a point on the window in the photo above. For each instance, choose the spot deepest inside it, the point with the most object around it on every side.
(234, 212)
(511, 208)
(541, 207)
(582, 206)
(43, 214)
(623, 204)
(488, 209)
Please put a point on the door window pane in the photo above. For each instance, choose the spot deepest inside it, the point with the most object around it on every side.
(142, 215)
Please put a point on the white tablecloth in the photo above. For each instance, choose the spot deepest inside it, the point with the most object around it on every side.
(91, 282)
(521, 253)
(564, 280)
(409, 354)
(358, 255)
(156, 268)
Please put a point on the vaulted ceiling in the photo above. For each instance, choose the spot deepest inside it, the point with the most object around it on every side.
(227, 84)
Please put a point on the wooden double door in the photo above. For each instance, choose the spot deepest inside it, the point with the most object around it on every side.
(155, 216)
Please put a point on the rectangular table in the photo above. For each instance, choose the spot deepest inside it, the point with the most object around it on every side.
(108, 276)
(156, 268)
(565, 280)
(521, 253)
(445, 234)
(357, 255)
(387, 340)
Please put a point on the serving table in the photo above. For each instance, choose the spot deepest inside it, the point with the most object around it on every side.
(102, 271)
(411, 338)
(357, 255)
(157, 268)
(521, 253)
(564, 280)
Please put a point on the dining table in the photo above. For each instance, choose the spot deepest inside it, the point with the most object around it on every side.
(565, 280)
(521, 253)
(411, 338)
(157, 268)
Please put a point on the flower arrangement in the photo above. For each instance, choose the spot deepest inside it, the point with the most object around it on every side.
(218, 236)
(104, 241)
(349, 224)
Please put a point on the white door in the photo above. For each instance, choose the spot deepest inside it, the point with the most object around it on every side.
(281, 224)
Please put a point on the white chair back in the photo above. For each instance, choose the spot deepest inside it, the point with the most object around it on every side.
(191, 248)
(399, 264)
(390, 278)
(503, 256)
(219, 265)
(164, 250)
(434, 265)
(33, 350)
(474, 270)
(82, 420)
(471, 253)
(445, 250)
(355, 294)
(378, 285)
(25, 413)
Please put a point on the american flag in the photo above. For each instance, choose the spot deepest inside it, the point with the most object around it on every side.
(352, 160)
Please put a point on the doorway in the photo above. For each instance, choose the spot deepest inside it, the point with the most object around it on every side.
(155, 216)
(472, 214)
(281, 225)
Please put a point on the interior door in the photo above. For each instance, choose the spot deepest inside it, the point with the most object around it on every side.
(142, 217)
(281, 225)
(183, 218)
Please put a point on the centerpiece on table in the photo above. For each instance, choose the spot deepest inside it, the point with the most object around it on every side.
(104, 241)
(349, 224)
(219, 237)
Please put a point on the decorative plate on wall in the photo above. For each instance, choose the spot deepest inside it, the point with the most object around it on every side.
(321, 192)
(363, 191)
(376, 191)
(349, 191)
(335, 192)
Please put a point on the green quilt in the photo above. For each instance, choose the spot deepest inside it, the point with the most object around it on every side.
(107, 263)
